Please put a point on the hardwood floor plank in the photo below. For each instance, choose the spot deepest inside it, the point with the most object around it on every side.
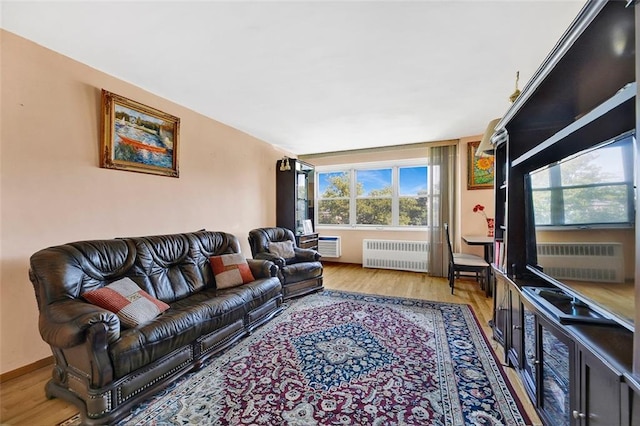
(23, 401)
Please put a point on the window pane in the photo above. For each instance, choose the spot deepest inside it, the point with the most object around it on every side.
(542, 207)
(594, 166)
(333, 185)
(413, 181)
(413, 211)
(596, 204)
(374, 183)
(373, 211)
(594, 187)
(333, 212)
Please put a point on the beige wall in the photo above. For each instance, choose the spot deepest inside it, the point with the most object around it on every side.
(468, 222)
(53, 192)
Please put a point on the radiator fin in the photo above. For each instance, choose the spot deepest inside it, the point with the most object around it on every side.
(399, 255)
(329, 246)
(599, 262)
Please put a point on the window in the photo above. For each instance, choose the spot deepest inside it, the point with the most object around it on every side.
(333, 203)
(413, 196)
(373, 197)
(387, 195)
(595, 187)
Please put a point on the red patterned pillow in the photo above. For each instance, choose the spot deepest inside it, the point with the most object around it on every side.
(230, 270)
(133, 305)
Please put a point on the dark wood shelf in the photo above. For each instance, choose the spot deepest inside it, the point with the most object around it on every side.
(583, 94)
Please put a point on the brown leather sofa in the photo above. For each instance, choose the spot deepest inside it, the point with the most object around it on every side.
(105, 369)
(299, 274)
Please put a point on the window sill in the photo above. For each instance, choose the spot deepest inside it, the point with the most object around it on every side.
(372, 228)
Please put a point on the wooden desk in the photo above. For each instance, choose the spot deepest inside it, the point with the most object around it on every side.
(481, 240)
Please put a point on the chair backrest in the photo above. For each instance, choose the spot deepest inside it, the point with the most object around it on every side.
(446, 231)
(260, 238)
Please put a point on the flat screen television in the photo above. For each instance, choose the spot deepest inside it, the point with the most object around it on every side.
(580, 226)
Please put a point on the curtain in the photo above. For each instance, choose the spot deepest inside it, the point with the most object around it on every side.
(441, 184)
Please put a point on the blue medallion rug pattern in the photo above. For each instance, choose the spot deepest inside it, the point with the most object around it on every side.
(341, 358)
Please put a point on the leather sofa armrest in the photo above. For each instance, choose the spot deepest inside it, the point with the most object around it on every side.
(65, 324)
(261, 268)
(279, 261)
(306, 255)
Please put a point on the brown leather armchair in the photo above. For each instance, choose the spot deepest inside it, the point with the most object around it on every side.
(300, 270)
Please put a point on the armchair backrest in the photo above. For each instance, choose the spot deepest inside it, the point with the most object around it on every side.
(260, 238)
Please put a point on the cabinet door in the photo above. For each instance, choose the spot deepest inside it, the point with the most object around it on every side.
(515, 340)
(599, 403)
(531, 354)
(501, 312)
(556, 386)
(629, 407)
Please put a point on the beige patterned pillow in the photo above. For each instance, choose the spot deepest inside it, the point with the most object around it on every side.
(133, 305)
(283, 249)
(230, 270)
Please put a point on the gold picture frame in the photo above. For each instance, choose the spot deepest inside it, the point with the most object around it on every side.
(480, 169)
(138, 138)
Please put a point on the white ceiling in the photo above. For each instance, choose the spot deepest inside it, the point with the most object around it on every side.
(313, 76)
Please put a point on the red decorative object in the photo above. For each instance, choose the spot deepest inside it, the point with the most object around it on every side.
(479, 208)
(491, 225)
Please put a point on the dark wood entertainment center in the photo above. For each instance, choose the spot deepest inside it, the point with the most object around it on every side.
(582, 368)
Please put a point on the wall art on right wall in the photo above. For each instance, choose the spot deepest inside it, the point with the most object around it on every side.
(479, 168)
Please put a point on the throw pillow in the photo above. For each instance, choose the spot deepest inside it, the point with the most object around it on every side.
(133, 305)
(230, 270)
(283, 249)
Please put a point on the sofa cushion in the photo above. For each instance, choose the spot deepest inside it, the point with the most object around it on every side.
(283, 249)
(301, 271)
(188, 319)
(230, 270)
(133, 305)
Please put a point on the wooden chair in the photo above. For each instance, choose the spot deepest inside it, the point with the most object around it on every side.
(463, 262)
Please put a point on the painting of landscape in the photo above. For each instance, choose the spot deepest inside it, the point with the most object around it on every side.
(138, 138)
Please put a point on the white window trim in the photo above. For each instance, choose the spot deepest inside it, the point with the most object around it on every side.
(394, 165)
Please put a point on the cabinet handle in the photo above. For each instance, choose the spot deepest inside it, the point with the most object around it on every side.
(534, 360)
(578, 415)
(517, 327)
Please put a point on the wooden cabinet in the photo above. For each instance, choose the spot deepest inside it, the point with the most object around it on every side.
(308, 241)
(574, 374)
(577, 369)
(599, 402)
(294, 194)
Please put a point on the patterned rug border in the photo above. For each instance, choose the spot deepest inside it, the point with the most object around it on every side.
(374, 298)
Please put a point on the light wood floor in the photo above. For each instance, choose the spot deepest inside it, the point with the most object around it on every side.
(22, 400)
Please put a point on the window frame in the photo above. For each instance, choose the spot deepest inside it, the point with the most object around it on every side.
(556, 189)
(351, 170)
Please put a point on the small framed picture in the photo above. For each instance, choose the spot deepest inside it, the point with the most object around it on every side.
(479, 168)
(138, 138)
(307, 226)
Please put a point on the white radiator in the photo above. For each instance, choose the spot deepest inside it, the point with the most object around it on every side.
(600, 262)
(329, 246)
(402, 255)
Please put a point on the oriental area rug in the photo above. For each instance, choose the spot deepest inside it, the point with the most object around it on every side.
(347, 358)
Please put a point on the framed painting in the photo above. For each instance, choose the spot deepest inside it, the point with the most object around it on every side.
(479, 168)
(138, 138)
